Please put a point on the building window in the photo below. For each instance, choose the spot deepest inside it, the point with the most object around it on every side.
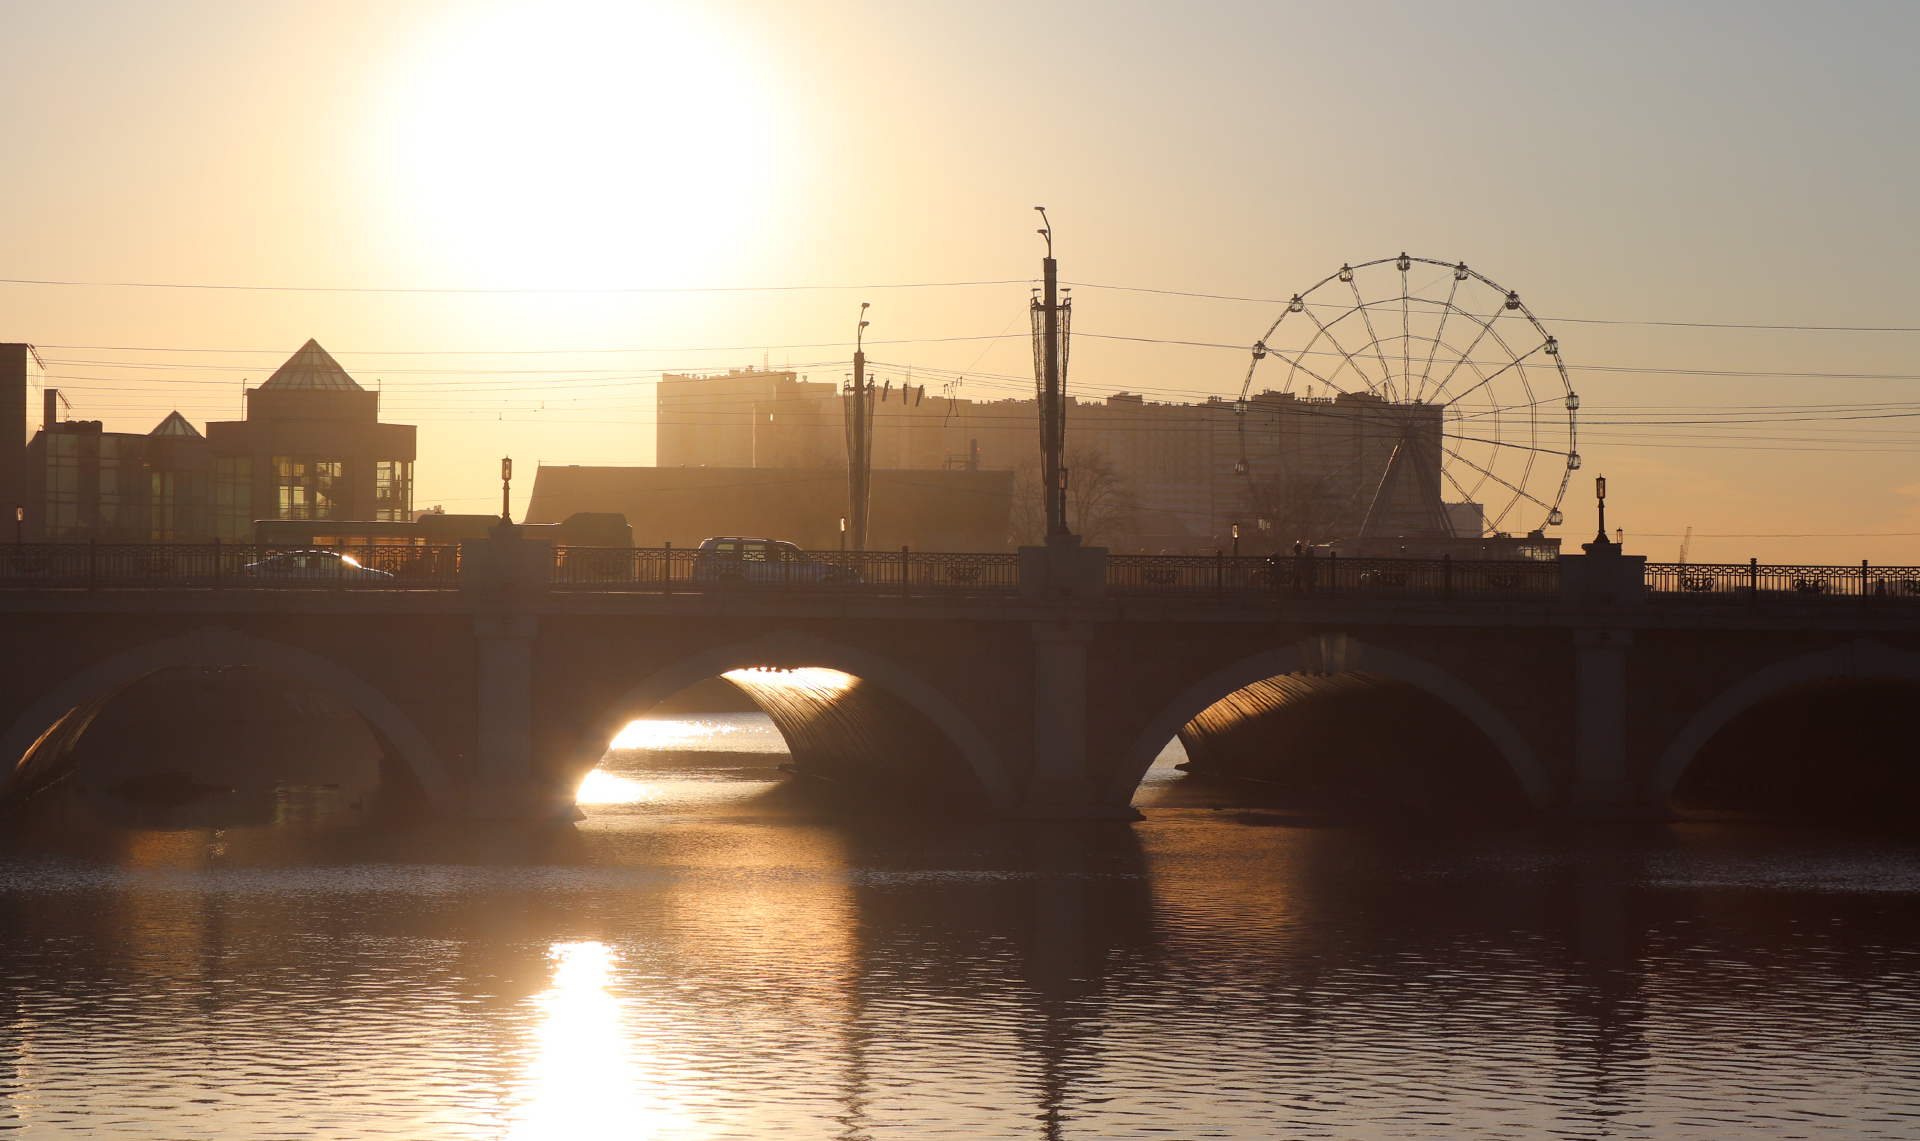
(107, 503)
(178, 506)
(307, 488)
(393, 491)
(233, 498)
(63, 485)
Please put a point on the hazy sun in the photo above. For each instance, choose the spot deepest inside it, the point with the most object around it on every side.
(584, 143)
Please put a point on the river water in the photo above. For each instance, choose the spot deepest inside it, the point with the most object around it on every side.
(714, 953)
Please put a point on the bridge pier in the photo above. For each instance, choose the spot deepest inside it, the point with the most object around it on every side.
(1611, 586)
(501, 574)
(504, 785)
(1063, 572)
(1600, 784)
(1060, 787)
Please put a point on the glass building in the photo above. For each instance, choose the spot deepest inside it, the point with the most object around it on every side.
(311, 448)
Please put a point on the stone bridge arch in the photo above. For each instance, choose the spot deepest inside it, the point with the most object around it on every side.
(54, 722)
(1860, 658)
(795, 650)
(1334, 653)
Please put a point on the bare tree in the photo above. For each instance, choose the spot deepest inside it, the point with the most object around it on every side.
(1297, 508)
(1100, 508)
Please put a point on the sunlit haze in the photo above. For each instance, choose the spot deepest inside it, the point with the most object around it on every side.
(1704, 165)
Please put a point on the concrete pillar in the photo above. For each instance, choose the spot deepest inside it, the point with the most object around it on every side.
(504, 784)
(499, 572)
(1060, 714)
(1600, 720)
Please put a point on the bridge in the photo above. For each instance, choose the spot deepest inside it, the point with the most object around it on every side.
(1035, 685)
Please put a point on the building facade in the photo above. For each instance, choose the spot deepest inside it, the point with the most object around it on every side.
(1284, 467)
(311, 448)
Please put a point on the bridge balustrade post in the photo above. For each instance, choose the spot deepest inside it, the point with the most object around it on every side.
(1063, 571)
(506, 562)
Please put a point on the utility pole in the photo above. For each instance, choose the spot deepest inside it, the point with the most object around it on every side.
(1051, 324)
(859, 438)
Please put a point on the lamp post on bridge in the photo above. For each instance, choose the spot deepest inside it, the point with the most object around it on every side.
(506, 492)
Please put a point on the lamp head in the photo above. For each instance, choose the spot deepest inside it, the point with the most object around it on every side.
(1600, 488)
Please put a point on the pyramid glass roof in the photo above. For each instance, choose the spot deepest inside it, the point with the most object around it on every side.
(176, 425)
(312, 368)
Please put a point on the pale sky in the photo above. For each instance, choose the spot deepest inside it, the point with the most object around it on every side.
(1740, 163)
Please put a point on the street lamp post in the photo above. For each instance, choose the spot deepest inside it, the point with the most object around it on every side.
(506, 491)
(1600, 497)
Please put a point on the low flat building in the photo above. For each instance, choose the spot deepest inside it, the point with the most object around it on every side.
(925, 510)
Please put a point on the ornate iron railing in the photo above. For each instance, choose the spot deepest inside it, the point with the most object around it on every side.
(246, 566)
(688, 569)
(1756, 582)
(1303, 576)
(219, 566)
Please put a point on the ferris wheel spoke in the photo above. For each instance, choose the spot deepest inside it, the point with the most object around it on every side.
(1342, 350)
(1486, 327)
(1467, 496)
(1502, 444)
(1520, 491)
(1292, 363)
(1503, 408)
(1487, 379)
(1439, 334)
(1386, 374)
(1406, 336)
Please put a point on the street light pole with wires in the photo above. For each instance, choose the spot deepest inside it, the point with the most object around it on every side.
(859, 440)
(1052, 325)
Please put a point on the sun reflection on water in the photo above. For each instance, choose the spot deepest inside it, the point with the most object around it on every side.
(585, 1080)
(603, 787)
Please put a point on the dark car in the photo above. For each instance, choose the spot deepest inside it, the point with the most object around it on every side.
(734, 558)
(314, 564)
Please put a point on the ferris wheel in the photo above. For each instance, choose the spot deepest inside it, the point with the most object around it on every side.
(1408, 393)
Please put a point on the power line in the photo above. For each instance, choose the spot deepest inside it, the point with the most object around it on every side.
(401, 289)
(644, 290)
(1571, 320)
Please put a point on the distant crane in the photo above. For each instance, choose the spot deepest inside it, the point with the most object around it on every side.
(1686, 544)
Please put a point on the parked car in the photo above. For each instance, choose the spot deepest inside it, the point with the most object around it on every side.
(733, 558)
(314, 564)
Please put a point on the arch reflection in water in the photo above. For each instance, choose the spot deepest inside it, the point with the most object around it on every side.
(585, 1079)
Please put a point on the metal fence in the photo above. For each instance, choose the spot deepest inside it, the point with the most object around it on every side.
(220, 566)
(245, 566)
(689, 569)
(1306, 576)
(1756, 583)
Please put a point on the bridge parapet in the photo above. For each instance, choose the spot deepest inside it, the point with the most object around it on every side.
(1062, 571)
(1603, 577)
(506, 562)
